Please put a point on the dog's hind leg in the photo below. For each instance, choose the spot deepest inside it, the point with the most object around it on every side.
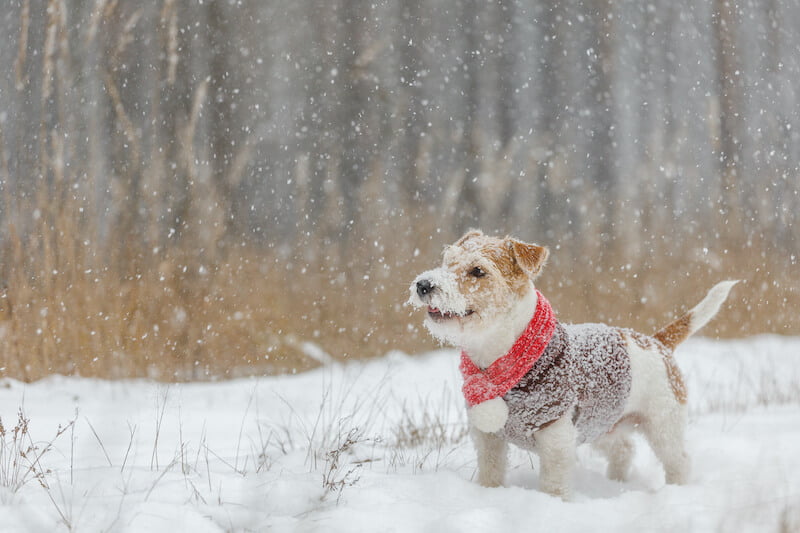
(664, 430)
(658, 403)
(492, 456)
(618, 448)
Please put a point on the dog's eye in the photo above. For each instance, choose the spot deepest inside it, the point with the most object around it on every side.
(477, 272)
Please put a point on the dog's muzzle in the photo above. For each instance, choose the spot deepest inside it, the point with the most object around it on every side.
(438, 290)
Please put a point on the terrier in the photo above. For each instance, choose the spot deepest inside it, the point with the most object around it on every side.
(546, 386)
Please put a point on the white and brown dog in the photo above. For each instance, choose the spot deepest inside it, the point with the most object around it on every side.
(547, 386)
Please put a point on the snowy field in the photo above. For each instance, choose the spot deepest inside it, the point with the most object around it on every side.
(381, 446)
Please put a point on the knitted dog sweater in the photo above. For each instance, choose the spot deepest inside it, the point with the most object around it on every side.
(585, 368)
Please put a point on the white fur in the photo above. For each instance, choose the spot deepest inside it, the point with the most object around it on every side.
(706, 309)
(661, 417)
(494, 338)
(656, 410)
(555, 445)
(489, 416)
(492, 457)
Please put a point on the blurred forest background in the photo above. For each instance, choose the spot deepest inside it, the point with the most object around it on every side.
(199, 190)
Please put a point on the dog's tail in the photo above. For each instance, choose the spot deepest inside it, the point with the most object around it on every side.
(679, 330)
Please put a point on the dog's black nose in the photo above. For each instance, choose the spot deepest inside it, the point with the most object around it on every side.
(424, 287)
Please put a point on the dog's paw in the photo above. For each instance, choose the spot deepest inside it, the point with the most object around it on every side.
(556, 489)
(489, 416)
(490, 483)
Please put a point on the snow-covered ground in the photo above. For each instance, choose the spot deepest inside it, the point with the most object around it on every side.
(382, 446)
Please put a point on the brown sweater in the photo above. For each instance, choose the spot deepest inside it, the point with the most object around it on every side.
(585, 367)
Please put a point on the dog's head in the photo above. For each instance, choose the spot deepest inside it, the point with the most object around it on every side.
(480, 281)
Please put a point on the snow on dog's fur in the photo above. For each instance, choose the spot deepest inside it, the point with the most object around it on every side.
(592, 382)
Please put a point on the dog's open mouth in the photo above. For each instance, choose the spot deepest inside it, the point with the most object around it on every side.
(439, 315)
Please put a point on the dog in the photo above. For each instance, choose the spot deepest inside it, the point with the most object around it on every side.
(546, 386)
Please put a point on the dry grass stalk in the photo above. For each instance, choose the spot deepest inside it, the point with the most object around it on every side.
(21, 456)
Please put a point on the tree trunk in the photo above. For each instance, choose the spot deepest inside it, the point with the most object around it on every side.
(468, 211)
(730, 102)
(410, 83)
(506, 104)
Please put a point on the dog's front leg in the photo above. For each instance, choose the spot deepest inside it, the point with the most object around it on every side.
(492, 453)
(555, 445)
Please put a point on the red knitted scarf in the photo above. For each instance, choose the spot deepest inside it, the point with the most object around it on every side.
(503, 374)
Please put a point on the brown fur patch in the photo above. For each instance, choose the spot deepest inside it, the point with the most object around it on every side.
(515, 261)
(494, 256)
(675, 378)
(674, 375)
(530, 257)
(675, 332)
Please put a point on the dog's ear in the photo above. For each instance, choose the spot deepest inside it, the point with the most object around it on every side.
(469, 235)
(529, 257)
